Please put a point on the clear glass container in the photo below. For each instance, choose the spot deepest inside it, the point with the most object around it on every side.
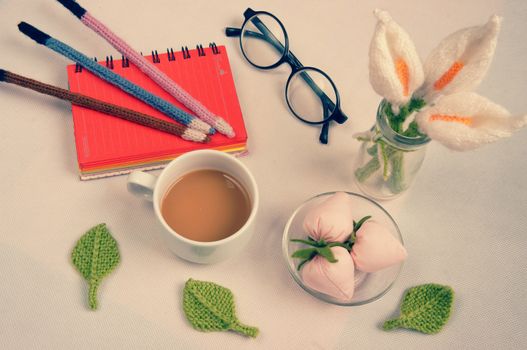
(388, 161)
(368, 286)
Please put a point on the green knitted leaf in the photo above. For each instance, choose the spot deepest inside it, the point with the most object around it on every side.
(95, 256)
(210, 307)
(426, 308)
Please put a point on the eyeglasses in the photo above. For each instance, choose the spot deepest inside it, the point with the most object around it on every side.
(310, 93)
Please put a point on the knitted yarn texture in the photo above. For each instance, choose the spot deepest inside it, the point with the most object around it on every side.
(95, 255)
(210, 307)
(426, 308)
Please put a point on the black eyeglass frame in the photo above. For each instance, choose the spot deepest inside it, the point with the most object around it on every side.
(296, 68)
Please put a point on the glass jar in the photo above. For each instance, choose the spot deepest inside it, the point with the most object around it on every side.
(388, 161)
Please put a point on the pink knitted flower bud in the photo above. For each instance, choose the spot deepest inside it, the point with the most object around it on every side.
(331, 220)
(375, 248)
(335, 279)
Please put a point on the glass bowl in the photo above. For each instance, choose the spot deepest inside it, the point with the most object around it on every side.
(368, 286)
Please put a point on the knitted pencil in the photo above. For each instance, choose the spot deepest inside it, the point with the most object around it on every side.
(115, 79)
(104, 107)
(149, 68)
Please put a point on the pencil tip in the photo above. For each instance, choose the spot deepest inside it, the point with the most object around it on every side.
(195, 135)
(74, 7)
(32, 32)
(223, 127)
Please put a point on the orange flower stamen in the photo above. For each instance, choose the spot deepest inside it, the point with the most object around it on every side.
(451, 118)
(403, 73)
(449, 75)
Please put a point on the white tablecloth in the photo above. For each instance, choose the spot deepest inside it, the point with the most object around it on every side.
(463, 221)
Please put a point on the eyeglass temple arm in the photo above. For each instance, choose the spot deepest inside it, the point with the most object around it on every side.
(323, 138)
(230, 31)
(293, 61)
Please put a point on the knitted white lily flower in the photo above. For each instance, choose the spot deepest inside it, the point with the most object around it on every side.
(451, 114)
(396, 70)
(461, 60)
(466, 120)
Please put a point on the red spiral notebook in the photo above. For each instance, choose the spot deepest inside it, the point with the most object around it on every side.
(108, 146)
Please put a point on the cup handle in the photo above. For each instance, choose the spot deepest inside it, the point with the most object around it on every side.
(141, 184)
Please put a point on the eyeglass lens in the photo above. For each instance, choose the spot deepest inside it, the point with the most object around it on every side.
(311, 96)
(263, 40)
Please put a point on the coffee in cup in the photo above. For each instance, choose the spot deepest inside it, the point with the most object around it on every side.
(206, 205)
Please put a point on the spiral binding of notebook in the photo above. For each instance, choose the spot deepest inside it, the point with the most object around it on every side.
(155, 56)
(108, 146)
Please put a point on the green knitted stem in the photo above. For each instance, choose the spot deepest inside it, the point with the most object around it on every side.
(384, 156)
(396, 180)
(365, 172)
(92, 294)
(245, 330)
(391, 324)
(392, 158)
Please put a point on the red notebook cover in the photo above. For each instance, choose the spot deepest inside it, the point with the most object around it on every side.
(107, 145)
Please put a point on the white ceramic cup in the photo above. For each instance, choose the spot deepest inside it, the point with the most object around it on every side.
(154, 188)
